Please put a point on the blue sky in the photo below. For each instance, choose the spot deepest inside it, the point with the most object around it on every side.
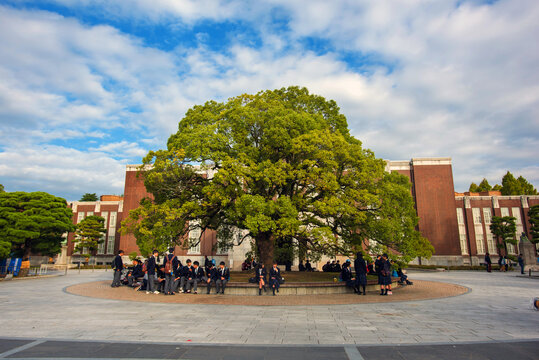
(87, 87)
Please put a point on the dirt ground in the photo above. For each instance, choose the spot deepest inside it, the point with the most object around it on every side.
(421, 290)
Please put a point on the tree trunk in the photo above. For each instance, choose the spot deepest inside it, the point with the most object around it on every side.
(265, 244)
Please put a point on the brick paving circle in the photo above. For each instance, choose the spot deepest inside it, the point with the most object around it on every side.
(421, 290)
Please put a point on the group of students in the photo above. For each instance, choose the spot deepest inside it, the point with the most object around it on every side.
(171, 276)
(382, 268)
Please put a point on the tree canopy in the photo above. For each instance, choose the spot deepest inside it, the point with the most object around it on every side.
(32, 222)
(510, 186)
(283, 168)
(504, 228)
(89, 197)
(534, 223)
(89, 234)
(2, 188)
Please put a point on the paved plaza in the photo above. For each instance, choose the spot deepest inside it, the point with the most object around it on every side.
(496, 310)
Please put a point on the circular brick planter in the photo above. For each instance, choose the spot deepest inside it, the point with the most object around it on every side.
(316, 288)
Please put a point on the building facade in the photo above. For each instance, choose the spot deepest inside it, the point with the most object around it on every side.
(457, 225)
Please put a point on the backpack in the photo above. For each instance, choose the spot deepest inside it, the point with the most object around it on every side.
(145, 267)
(168, 266)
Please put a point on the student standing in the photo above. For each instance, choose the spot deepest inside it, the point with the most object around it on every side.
(275, 277)
(118, 266)
(361, 273)
(521, 263)
(224, 276)
(378, 269)
(260, 272)
(170, 264)
(386, 276)
(488, 262)
(152, 261)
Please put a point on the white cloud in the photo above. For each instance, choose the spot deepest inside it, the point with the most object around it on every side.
(462, 81)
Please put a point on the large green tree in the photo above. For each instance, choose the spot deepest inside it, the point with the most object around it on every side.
(283, 168)
(89, 234)
(504, 228)
(89, 197)
(33, 222)
(534, 223)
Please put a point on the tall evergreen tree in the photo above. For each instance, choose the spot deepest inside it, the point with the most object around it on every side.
(89, 234)
(89, 197)
(33, 222)
(504, 228)
(534, 222)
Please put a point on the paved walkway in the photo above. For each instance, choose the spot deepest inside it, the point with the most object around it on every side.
(498, 308)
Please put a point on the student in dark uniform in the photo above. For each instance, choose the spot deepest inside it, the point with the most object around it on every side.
(361, 273)
(211, 277)
(520, 260)
(152, 261)
(118, 266)
(260, 275)
(301, 267)
(186, 275)
(170, 264)
(347, 277)
(135, 273)
(488, 262)
(378, 270)
(386, 276)
(197, 275)
(160, 284)
(326, 267)
(223, 277)
(274, 277)
(308, 266)
(338, 267)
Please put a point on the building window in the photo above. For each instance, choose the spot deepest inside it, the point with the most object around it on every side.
(105, 215)
(110, 244)
(492, 249)
(194, 237)
(462, 231)
(476, 215)
(80, 217)
(112, 222)
(480, 243)
(504, 211)
(101, 245)
(90, 213)
(460, 216)
(463, 246)
(487, 215)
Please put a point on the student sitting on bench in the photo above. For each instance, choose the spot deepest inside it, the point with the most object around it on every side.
(135, 273)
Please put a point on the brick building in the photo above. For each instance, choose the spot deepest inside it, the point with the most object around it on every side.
(455, 224)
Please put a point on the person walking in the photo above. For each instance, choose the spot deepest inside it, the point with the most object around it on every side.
(361, 273)
(378, 270)
(520, 260)
(488, 262)
(118, 266)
